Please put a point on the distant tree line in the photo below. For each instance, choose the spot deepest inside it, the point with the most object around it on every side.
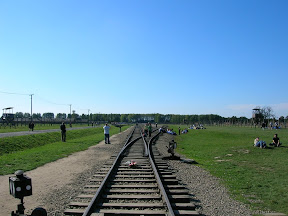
(265, 115)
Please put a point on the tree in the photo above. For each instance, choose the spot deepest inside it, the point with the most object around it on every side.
(243, 119)
(26, 115)
(96, 117)
(116, 117)
(37, 115)
(158, 117)
(281, 119)
(19, 115)
(48, 115)
(176, 119)
(124, 118)
(74, 114)
(233, 120)
(267, 112)
(132, 118)
(61, 116)
(167, 118)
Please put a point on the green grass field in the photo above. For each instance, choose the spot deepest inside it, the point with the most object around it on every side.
(255, 176)
(18, 128)
(31, 151)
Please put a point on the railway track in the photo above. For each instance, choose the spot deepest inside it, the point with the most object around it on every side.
(147, 188)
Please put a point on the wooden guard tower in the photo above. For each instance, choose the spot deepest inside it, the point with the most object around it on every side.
(257, 116)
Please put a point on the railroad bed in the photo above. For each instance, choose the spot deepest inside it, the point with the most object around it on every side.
(148, 188)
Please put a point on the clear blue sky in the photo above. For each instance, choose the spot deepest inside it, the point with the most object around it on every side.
(167, 56)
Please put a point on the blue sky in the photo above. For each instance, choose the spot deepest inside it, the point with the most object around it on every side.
(172, 57)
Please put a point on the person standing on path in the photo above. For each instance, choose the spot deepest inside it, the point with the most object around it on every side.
(31, 126)
(63, 132)
(149, 129)
(106, 133)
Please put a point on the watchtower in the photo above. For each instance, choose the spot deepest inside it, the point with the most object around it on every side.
(8, 115)
(257, 116)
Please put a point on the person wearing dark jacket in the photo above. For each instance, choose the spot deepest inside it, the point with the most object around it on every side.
(63, 132)
(276, 140)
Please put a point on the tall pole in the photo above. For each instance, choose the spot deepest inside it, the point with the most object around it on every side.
(31, 107)
(70, 114)
(88, 116)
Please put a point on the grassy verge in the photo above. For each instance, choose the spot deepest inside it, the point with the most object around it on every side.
(18, 128)
(254, 176)
(48, 148)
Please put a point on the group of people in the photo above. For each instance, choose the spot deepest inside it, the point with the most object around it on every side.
(170, 131)
(276, 126)
(262, 144)
(148, 130)
(183, 131)
(106, 133)
(200, 126)
(271, 125)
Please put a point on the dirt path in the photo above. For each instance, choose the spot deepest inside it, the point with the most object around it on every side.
(56, 183)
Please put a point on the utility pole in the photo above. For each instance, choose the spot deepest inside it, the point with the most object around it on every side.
(31, 107)
(88, 116)
(70, 115)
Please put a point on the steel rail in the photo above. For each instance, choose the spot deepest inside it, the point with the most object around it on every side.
(101, 188)
(146, 154)
(130, 136)
(89, 210)
(119, 190)
(158, 179)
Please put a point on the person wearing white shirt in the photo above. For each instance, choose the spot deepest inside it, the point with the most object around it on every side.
(106, 133)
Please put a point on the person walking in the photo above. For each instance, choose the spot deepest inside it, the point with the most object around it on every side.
(63, 132)
(32, 126)
(106, 133)
(145, 130)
